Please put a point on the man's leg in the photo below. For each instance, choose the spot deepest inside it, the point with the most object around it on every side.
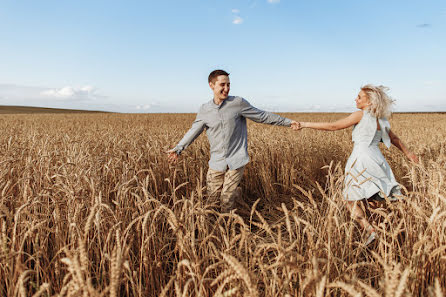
(214, 184)
(230, 191)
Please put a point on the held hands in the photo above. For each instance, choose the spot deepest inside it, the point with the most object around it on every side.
(296, 125)
(172, 156)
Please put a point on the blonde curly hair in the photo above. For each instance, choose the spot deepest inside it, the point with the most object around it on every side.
(380, 102)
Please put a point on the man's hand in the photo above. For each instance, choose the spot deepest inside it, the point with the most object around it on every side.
(296, 125)
(172, 156)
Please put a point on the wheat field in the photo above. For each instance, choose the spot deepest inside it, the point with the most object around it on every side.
(89, 206)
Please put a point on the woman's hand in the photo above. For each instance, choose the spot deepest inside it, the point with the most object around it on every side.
(411, 156)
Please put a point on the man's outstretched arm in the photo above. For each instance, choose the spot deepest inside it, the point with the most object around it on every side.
(195, 131)
(265, 117)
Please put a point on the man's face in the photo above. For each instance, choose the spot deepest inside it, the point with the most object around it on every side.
(220, 87)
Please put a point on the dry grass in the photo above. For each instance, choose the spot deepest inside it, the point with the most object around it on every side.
(90, 207)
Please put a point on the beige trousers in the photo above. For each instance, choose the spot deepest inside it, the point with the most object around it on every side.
(225, 184)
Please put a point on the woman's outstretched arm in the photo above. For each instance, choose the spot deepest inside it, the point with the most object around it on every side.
(349, 121)
(396, 141)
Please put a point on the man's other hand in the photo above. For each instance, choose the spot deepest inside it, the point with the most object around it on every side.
(172, 156)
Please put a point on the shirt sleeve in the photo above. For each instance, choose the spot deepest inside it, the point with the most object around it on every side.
(260, 116)
(197, 128)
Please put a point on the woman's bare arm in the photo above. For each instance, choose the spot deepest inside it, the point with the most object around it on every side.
(349, 121)
(396, 141)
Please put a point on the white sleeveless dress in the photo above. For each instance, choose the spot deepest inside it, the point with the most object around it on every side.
(367, 172)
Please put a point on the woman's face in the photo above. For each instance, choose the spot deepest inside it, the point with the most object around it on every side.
(362, 101)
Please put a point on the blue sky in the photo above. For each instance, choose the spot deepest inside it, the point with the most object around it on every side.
(154, 56)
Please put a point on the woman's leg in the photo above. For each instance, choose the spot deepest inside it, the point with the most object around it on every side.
(358, 214)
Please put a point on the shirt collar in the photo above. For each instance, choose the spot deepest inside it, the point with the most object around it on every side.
(213, 105)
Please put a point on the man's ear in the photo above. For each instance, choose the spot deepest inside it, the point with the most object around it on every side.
(211, 85)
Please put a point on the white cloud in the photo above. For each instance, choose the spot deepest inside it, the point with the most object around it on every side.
(153, 106)
(143, 107)
(252, 4)
(72, 93)
(84, 98)
(67, 97)
(87, 98)
(273, 1)
(237, 20)
(271, 107)
(424, 25)
(433, 83)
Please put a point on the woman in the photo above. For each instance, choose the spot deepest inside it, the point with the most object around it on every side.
(368, 175)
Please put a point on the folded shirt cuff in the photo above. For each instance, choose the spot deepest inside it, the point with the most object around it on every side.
(287, 122)
(178, 150)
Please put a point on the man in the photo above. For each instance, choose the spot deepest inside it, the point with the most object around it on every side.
(224, 118)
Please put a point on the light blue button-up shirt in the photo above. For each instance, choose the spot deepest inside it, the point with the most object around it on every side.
(226, 129)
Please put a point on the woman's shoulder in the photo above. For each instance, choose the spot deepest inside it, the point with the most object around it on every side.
(355, 118)
(357, 115)
(364, 117)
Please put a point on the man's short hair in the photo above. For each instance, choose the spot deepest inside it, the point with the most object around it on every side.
(214, 74)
